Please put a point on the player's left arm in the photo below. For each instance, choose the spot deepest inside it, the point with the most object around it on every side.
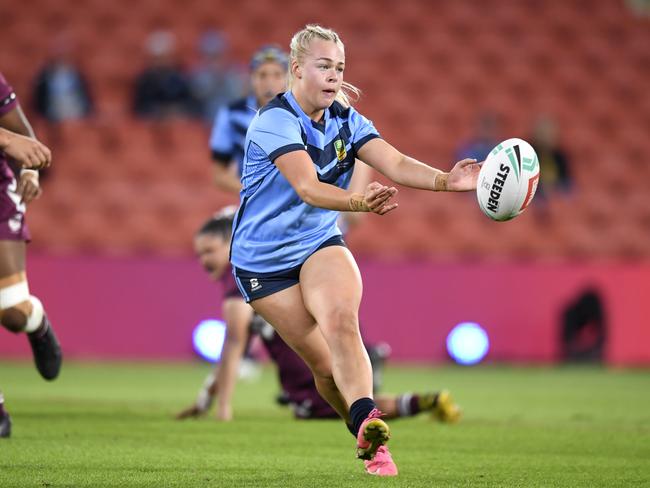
(238, 315)
(30, 153)
(410, 172)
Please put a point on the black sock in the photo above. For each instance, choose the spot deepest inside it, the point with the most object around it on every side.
(359, 410)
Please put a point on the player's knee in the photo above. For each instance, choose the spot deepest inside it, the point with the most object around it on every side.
(20, 311)
(21, 315)
(14, 319)
(342, 323)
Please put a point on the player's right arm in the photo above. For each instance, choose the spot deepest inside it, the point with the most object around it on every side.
(278, 134)
(361, 178)
(298, 169)
(17, 141)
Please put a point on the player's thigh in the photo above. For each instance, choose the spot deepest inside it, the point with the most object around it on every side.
(285, 311)
(12, 257)
(331, 285)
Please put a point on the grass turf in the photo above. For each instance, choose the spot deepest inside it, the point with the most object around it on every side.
(110, 424)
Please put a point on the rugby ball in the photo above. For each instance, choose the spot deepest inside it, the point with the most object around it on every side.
(508, 179)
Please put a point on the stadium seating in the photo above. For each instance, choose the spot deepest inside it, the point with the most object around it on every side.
(428, 70)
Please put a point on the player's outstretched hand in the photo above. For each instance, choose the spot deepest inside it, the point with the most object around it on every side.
(464, 175)
(28, 187)
(28, 152)
(193, 411)
(377, 197)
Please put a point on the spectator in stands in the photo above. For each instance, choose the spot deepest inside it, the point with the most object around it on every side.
(555, 175)
(484, 139)
(214, 82)
(640, 8)
(162, 89)
(61, 91)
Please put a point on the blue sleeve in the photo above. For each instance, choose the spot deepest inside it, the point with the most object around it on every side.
(221, 139)
(361, 128)
(277, 132)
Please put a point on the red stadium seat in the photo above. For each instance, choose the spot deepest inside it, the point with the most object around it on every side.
(427, 70)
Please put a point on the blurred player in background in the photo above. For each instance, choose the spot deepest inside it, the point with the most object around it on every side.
(212, 245)
(21, 312)
(268, 78)
(290, 261)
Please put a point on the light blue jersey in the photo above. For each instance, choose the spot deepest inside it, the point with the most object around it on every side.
(229, 131)
(274, 229)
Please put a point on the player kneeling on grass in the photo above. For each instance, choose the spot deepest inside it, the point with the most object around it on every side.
(212, 244)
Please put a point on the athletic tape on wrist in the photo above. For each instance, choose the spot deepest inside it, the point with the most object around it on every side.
(358, 203)
(440, 182)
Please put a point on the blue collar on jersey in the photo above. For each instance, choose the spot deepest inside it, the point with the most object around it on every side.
(294, 104)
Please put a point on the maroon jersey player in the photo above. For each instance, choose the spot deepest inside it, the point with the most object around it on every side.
(20, 311)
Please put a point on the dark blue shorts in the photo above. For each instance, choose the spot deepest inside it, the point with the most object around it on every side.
(258, 285)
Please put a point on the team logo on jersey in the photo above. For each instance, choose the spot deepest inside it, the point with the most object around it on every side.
(255, 285)
(339, 146)
(15, 223)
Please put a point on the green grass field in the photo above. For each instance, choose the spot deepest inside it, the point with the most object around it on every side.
(110, 424)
